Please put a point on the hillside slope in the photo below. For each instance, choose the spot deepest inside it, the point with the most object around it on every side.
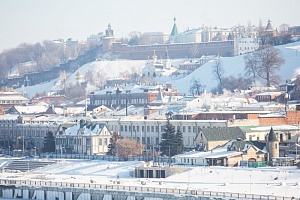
(232, 65)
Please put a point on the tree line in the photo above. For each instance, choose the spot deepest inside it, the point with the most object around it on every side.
(40, 56)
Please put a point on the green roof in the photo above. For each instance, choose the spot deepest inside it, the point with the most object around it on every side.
(174, 29)
(223, 133)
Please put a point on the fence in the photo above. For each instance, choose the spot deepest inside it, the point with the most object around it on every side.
(102, 157)
(118, 187)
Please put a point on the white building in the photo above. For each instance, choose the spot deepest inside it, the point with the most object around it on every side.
(150, 130)
(189, 36)
(245, 45)
(156, 37)
(84, 138)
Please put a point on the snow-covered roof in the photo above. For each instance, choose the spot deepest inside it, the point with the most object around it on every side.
(84, 131)
(31, 109)
(216, 153)
(273, 115)
(275, 128)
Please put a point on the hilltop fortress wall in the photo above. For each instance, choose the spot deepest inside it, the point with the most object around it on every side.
(181, 50)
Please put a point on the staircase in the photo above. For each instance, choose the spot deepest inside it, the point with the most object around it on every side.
(26, 165)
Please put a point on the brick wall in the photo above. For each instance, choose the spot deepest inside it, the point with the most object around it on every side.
(293, 117)
(272, 121)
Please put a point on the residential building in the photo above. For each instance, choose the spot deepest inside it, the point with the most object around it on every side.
(232, 153)
(24, 132)
(210, 138)
(12, 98)
(125, 95)
(56, 100)
(267, 96)
(85, 137)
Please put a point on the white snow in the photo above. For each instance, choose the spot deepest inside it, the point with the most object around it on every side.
(232, 65)
(261, 181)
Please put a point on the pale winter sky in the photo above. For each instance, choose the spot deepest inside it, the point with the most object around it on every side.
(33, 21)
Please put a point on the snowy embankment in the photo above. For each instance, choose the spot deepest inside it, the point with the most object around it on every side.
(283, 181)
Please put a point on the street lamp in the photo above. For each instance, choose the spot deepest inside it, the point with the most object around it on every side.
(34, 151)
(169, 157)
(61, 151)
(250, 182)
(218, 180)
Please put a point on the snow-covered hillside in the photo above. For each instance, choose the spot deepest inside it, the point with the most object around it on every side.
(232, 65)
(235, 66)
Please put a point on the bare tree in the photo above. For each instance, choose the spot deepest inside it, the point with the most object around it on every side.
(251, 65)
(127, 148)
(63, 80)
(196, 86)
(233, 83)
(218, 71)
(265, 63)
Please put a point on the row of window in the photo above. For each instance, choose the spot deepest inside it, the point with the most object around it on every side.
(79, 141)
(133, 128)
(247, 48)
(10, 101)
(120, 101)
(14, 133)
(251, 41)
(155, 141)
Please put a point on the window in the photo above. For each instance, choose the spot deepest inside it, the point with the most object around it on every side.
(138, 128)
(100, 141)
(105, 141)
(152, 128)
(289, 136)
(148, 128)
